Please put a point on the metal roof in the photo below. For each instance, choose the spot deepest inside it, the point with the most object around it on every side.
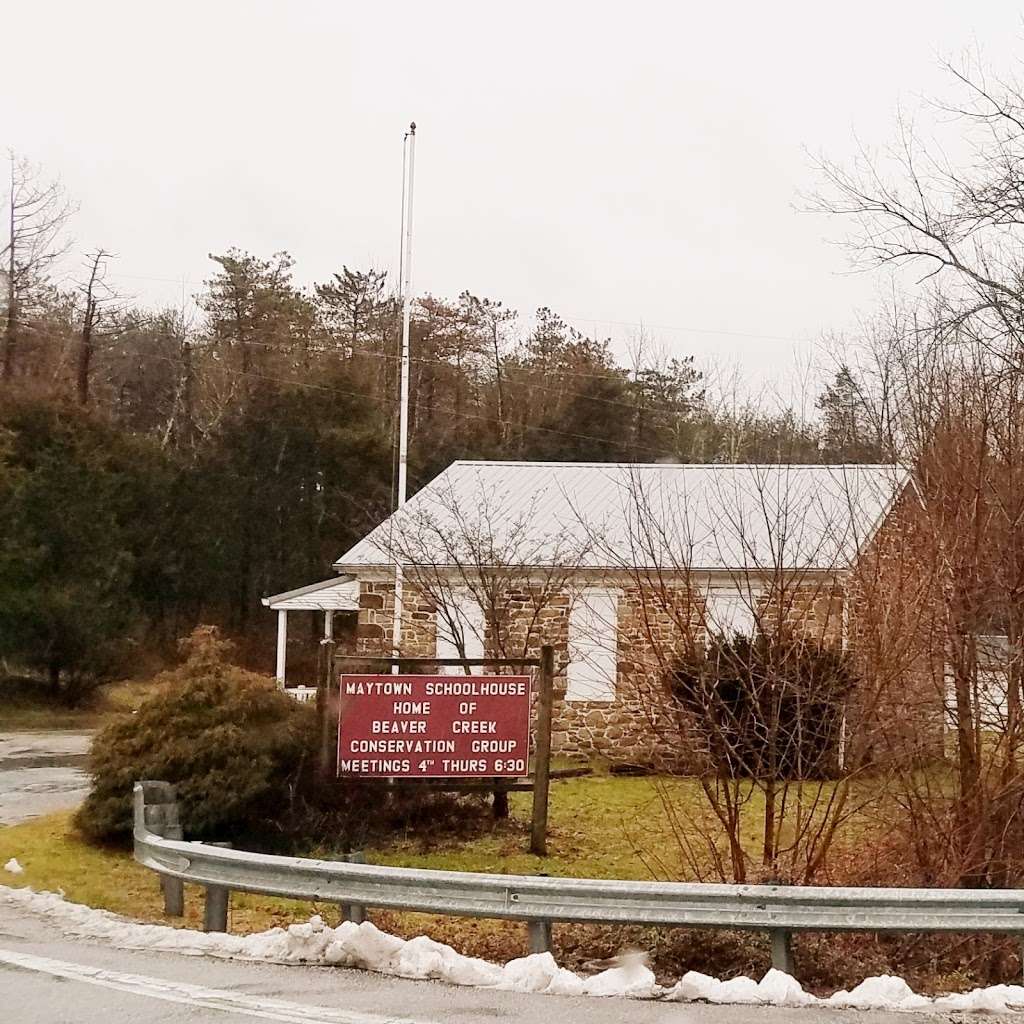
(340, 594)
(618, 515)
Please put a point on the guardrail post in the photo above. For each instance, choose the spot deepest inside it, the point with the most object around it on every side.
(174, 896)
(215, 910)
(540, 936)
(354, 912)
(782, 950)
(160, 815)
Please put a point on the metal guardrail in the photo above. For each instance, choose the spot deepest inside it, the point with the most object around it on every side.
(539, 901)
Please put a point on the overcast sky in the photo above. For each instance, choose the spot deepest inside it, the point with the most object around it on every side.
(621, 163)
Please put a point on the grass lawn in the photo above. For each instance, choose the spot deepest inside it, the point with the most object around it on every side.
(600, 826)
(31, 708)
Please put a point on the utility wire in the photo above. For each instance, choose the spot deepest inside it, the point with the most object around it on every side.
(610, 375)
(663, 453)
(576, 317)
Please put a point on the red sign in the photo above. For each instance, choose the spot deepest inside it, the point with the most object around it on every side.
(434, 726)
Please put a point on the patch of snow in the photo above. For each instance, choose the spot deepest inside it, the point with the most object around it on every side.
(635, 980)
(994, 999)
(538, 972)
(367, 947)
(13, 867)
(885, 992)
(740, 990)
(692, 987)
(780, 989)
(696, 986)
(424, 958)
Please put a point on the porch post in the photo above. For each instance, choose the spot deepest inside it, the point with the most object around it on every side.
(329, 624)
(282, 644)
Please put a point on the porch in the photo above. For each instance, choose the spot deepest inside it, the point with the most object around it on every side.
(329, 598)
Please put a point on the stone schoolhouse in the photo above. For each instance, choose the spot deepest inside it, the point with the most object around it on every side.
(616, 566)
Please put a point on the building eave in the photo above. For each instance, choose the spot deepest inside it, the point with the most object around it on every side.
(311, 588)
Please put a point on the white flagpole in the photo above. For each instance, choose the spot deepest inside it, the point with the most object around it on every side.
(403, 415)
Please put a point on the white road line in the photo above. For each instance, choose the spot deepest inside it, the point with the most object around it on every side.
(195, 995)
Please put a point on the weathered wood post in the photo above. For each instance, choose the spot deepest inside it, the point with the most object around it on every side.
(325, 709)
(499, 806)
(542, 752)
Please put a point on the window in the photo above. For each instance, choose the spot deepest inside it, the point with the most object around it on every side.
(729, 612)
(465, 612)
(593, 646)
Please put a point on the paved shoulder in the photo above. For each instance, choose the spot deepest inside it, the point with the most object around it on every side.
(50, 977)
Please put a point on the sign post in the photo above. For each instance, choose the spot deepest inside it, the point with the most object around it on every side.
(542, 753)
(326, 766)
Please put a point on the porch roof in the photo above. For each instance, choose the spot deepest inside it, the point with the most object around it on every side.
(339, 594)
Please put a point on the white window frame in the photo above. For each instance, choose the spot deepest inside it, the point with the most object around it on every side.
(467, 612)
(592, 673)
(736, 612)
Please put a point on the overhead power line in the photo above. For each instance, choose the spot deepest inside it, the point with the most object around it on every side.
(610, 375)
(446, 410)
(575, 317)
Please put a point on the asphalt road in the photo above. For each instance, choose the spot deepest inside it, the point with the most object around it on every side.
(47, 978)
(41, 772)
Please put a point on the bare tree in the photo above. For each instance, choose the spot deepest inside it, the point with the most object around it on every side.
(492, 555)
(741, 672)
(495, 321)
(959, 226)
(960, 423)
(99, 298)
(941, 376)
(37, 213)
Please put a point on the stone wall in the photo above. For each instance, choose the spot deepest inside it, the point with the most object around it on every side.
(810, 610)
(897, 639)
(375, 631)
(638, 727)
